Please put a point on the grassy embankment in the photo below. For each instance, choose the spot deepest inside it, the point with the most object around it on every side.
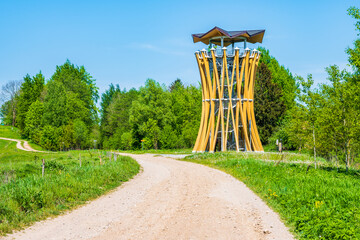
(26, 196)
(9, 132)
(321, 203)
(14, 133)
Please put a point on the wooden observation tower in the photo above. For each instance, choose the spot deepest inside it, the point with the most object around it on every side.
(227, 79)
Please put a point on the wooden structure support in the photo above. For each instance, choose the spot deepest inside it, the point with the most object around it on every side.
(227, 118)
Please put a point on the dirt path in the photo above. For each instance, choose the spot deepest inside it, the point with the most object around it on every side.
(170, 199)
(26, 146)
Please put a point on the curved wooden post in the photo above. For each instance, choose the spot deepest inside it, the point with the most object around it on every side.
(227, 84)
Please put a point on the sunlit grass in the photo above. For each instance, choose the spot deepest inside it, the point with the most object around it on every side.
(26, 196)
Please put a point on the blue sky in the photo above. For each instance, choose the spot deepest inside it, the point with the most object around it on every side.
(126, 42)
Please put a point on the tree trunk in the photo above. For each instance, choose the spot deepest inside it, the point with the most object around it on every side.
(314, 146)
(346, 160)
(14, 115)
(347, 156)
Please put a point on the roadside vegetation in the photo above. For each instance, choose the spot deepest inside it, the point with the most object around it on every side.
(26, 196)
(160, 151)
(10, 132)
(322, 203)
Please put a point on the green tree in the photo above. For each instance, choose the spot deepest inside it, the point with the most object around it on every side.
(354, 53)
(81, 134)
(50, 138)
(341, 114)
(30, 91)
(55, 104)
(106, 99)
(33, 121)
(186, 109)
(150, 113)
(269, 105)
(281, 76)
(116, 122)
(9, 95)
(79, 83)
(151, 131)
(310, 104)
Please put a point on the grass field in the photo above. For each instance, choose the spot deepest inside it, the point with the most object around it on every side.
(9, 132)
(321, 203)
(26, 196)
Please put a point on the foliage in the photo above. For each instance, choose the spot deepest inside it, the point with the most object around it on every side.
(162, 117)
(30, 91)
(354, 53)
(281, 76)
(9, 96)
(33, 121)
(316, 203)
(269, 105)
(58, 114)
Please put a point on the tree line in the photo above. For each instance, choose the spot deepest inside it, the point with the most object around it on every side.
(61, 113)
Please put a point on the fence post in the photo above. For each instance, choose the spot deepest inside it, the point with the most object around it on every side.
(100, 157)
(43, 167)
(115, 156)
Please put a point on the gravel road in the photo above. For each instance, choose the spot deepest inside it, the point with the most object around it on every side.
(169, 199)
(26, 146)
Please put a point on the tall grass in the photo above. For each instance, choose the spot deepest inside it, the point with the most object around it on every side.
(26, 196)
(10, 132)
(321, 203)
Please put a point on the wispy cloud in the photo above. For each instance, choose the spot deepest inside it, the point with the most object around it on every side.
(154, 48)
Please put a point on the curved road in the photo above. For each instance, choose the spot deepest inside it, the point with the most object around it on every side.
(169, 199)
(26, 146)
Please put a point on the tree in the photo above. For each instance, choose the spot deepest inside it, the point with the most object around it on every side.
(30, 91)
(281, 76)
(55, 104)
(33, 121)
(165, 117)
(106, 99)
(9, 97)
(81, 134)
(310, 100)
(176, 85)
(186, 108)
(81, 84)
(115, 121)
(269, 104)
(341, 113)
(50, 138)
(150, 113)
(354, 53)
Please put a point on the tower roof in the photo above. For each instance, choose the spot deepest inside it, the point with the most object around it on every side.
(229, 37)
